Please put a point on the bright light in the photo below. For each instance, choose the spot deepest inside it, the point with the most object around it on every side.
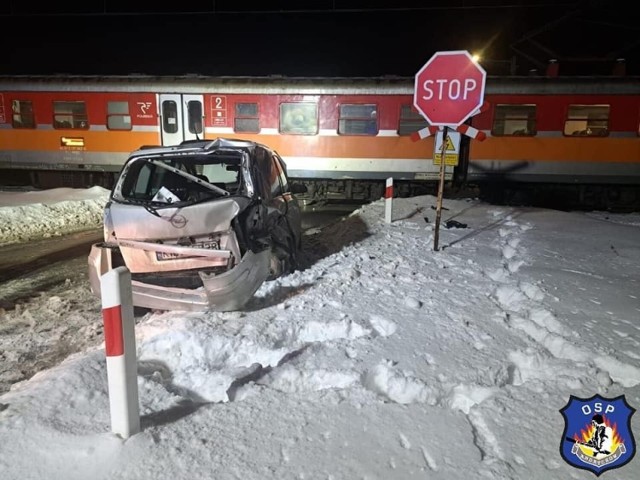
(72, 141)
(476, 57)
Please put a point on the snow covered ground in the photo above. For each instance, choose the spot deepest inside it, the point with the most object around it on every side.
(38, 214)
(382, 359)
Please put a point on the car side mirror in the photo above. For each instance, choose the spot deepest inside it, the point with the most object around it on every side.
(298, 188)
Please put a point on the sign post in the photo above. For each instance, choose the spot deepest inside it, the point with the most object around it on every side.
(436, 233)
(449, 89)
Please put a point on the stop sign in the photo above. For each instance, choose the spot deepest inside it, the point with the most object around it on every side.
(449, 88)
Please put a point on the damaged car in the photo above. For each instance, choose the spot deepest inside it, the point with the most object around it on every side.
(201, 225)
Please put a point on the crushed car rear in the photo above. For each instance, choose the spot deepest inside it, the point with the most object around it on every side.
(200, 226)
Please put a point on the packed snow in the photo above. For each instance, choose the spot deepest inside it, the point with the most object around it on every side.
(37, 214)
(382, 358)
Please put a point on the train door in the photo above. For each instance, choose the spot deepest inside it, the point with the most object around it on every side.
(181, 118)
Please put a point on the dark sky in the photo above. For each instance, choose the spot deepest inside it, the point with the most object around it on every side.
(313, 37)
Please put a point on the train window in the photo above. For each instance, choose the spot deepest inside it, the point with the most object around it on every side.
(194, 109)
(170, 116)
(70, 115)
(246, 119)
(410, 121)
(587, 121)
(517, 120)
(118, 117)
(358, 119)
(299, 118)
(22, 114)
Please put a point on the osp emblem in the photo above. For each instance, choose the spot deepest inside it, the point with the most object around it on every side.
(597, 433)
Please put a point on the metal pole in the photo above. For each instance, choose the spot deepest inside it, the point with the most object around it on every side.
(440, 189)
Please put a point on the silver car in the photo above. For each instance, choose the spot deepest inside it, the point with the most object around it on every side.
(200, 226)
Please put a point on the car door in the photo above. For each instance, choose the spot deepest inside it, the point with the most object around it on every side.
(286, 203)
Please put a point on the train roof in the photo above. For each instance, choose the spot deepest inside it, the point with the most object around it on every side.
(388, 85)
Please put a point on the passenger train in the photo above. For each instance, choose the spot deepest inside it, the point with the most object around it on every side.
(342, 137)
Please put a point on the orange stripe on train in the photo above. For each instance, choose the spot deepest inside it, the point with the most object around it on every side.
(100, 141)
(608, 149)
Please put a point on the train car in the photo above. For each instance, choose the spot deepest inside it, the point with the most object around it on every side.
(342, 137)
(562, 141)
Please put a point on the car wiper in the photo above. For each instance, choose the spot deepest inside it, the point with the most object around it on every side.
(146, 205)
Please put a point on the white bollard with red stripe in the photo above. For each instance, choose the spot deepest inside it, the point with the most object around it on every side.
(120, 349)
(388, 198)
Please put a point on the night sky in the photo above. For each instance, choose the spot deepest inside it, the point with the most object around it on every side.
(312, 38)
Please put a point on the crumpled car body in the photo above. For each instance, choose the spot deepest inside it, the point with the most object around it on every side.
(200, 226)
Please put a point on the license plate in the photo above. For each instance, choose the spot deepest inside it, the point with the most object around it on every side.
(161, 256)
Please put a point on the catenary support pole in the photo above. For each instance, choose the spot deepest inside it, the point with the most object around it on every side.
(120, 349)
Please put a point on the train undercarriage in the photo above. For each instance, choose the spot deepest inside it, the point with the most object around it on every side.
(324, 190)
(609, 197)
(45, 179)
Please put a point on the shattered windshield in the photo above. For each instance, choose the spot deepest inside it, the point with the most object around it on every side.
(179, 180)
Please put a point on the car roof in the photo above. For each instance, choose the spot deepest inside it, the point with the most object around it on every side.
(199, 147)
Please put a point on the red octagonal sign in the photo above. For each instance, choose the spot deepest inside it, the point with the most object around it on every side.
(449, 88)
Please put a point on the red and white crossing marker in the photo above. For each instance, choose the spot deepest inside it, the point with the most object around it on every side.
(388, 198)
(463, 129)
(120, 349)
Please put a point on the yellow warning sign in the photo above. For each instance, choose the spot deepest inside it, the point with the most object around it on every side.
(450, 146)
(452, 150)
